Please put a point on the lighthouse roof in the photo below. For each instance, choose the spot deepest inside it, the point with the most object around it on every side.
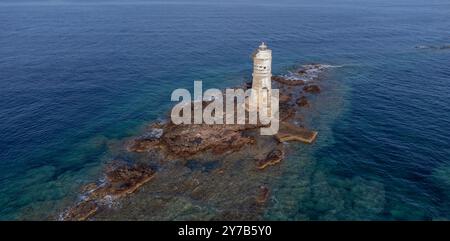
(261, 49)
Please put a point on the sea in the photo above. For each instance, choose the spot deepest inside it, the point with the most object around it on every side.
(77, 77)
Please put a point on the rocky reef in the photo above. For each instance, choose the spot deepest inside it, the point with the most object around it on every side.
(205, 172)
(120, 179)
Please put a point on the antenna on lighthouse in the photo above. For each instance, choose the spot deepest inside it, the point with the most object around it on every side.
(263, 46)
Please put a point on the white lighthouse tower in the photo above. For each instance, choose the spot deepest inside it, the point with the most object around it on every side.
(262, 74)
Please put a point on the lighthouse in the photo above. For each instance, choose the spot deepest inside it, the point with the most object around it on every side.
(262, 74)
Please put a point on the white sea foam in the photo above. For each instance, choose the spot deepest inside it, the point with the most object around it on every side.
(309, 72)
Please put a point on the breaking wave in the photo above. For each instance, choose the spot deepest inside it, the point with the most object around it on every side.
(309, 72)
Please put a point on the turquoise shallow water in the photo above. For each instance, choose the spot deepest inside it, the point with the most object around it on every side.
(76, 77)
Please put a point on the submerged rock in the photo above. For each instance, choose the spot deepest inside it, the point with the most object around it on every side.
(263, 195)
(290, 132)
(287, 111)
(125, 179)
(302, 102)
(147, 141)
(284, 98)
(80, 212)
(143, 145)
(314, 89)
(273, 158)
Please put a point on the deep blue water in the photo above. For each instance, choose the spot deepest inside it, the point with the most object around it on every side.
(76, 77)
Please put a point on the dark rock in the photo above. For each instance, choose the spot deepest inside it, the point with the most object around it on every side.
(302, 101)
(120, 180)
(314, 89)
(273, 158)
(80, 212)
(302, 71)
(287, 111)
(264, 194)
(284, 98)
(147, 141)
